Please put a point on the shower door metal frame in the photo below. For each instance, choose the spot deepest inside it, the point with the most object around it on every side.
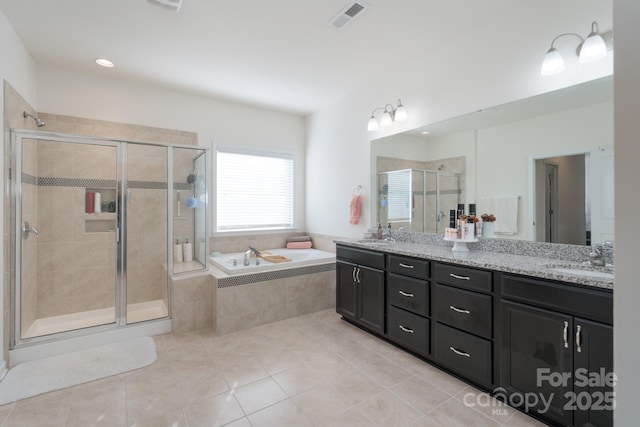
(15, 195)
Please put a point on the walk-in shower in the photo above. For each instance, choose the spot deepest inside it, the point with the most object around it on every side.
(417, 200)
(93, 224)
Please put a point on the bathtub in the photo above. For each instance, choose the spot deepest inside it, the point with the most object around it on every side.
(299, 258)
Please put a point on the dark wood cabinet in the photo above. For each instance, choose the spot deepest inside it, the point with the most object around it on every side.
(544, 346)
(563, 358)
(360, 290)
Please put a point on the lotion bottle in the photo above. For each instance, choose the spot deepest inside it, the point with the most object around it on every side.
(177, 252)
(97, 200)
(187, 251)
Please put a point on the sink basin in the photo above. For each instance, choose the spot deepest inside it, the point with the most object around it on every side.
(583, 270)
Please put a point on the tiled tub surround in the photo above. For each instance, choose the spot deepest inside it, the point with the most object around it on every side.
(229, 303)
(249, 300)
(510, 256)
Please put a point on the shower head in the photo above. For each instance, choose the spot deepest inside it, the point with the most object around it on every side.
(39, 122)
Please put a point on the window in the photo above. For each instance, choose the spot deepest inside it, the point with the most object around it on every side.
(399, 196)
(254, 190)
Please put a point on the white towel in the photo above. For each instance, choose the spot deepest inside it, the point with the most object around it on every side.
(506, 211)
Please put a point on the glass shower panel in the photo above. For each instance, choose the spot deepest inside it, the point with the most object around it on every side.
(432, 210)
(146, 232)
(66, 238)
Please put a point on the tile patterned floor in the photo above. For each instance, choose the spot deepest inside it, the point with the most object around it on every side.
(313, 370)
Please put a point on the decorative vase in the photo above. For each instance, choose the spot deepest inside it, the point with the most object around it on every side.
(487, 229)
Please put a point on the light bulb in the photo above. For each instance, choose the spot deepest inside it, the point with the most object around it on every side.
(373, 124)
(593, 48)
(553, 63)
(385, 120)
(401, 113)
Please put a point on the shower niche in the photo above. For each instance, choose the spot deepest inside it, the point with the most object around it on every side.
(86, 264)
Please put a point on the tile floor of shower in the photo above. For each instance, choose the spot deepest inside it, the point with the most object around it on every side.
(310, 370)
(137, 312)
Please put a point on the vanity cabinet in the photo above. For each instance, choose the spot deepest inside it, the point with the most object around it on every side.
(408, 303)
(360, 287)
(463, 321)
(557, 343)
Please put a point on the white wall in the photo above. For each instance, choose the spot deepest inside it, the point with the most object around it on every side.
(627, 206)
(17, 68)
(217, 122)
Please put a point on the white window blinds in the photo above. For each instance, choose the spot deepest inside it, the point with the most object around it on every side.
(254, 190)
(399, 196)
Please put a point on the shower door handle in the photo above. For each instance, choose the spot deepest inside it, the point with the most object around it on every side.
(441, 215)
(26, 229)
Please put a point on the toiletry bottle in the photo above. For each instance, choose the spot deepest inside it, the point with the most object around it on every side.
(97, 199)
(187, 251)
(89, 202)
(379, 231)
(177, 252)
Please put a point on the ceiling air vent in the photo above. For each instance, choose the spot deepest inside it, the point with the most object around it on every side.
(346, 15)
(174, 5)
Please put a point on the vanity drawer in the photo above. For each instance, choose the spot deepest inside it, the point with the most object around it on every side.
(466, 310)
(463, 277)
(463, 353)
(408, 293)
(361, 256)
(419, 268)
(408, 330)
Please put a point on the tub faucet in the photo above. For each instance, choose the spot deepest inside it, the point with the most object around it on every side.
(247, 257)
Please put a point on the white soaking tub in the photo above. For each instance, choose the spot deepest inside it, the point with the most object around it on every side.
(233, 263)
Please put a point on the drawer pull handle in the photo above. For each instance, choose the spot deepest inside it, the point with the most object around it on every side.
(459, 353)
(459, 310)
(405, 265)
(565, 335)
(405, 294)
(406, 329)
(455, 276)
(578, 343)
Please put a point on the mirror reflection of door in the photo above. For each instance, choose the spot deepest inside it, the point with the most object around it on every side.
(601, 173)
(561, 200)
(551, 202)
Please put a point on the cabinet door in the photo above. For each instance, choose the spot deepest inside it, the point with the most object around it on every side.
(371, 298)
(537, 350)
(593, 361)
(346, 290)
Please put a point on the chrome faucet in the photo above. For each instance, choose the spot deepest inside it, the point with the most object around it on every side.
(596, 256)
(247, 257)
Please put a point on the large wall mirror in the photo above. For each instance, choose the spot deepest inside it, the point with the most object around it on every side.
(549, 156)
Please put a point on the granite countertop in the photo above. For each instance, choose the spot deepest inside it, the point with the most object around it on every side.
(509, 263)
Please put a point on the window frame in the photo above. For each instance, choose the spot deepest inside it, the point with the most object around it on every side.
(281, 154)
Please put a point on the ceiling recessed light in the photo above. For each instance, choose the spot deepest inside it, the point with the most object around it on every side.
(426, 132)
(103, 62)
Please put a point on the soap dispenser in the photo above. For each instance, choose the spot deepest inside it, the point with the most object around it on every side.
(379, 231)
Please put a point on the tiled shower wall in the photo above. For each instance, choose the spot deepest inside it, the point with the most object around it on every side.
(75, 268)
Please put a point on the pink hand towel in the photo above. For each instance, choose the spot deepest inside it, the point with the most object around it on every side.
(299, 245)
(355, 209)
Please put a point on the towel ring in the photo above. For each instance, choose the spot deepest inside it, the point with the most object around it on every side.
(357, 189)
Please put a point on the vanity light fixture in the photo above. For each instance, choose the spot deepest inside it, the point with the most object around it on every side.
(589, 50)
(104, 62)
(389, 115)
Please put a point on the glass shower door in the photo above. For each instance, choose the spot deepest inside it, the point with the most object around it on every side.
(146, 262)
(65, 235)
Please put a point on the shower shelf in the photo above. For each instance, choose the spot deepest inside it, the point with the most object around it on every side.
(99, 216)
